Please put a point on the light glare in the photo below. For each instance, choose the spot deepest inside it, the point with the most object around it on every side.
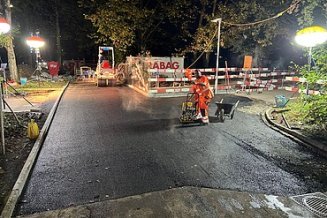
(4, 26)
(311, 36)
(35, 42)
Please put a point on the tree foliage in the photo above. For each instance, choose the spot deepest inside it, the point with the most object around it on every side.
(137, 26)
(163, 27)
(181, 26)
(313, 109)
(240, 31)
(311, 12)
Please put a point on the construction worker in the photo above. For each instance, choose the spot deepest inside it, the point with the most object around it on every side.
(188, 74)
(203, 95)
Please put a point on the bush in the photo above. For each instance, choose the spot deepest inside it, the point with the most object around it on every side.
(312, 109)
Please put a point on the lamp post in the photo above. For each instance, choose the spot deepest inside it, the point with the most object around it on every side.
(310, 37)
(35, 43)
(4, 28)
(218, 21)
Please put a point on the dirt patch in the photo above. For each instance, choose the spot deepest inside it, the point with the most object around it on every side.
(257, 107)
(18, 145)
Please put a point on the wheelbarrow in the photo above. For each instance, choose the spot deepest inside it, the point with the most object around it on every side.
(225, 109)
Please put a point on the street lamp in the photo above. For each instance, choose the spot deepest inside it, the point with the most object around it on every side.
(35, 43)
(310, 37)
(218, 21)
(4, 28)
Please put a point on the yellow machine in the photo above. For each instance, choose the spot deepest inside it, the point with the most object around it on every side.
(105, 73)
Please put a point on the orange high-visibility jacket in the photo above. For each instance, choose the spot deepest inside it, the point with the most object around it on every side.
(203, 89)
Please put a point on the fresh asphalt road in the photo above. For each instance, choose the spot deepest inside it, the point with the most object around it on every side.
(108, 143)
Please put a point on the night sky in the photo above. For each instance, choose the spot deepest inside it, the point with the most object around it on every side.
(76, 41)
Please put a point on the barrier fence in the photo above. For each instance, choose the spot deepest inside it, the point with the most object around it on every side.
(170, 82)
(229, 80)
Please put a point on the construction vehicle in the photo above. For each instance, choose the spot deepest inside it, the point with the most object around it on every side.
(105, 72)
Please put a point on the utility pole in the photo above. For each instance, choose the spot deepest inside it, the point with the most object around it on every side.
(218, 21)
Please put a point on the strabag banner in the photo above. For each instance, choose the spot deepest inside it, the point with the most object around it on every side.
(165, 63)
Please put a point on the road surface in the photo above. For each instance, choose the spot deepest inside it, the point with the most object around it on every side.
(108, 143)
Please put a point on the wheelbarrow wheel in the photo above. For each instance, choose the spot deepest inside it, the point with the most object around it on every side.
(222, 115)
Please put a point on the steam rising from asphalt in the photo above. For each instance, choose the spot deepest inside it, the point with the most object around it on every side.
(136, 103)
(139, 103)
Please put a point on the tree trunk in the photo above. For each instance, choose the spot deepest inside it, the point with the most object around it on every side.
(12, 60)
(58, 36)
(257, 56)
(10, 47)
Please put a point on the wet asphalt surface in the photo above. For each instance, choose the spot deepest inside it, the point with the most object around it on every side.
(108, 143)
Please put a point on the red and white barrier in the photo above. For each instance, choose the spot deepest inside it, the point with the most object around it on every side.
(259, 81)
(302, 80)
(206, 70)
(163, 90)
(212, 77)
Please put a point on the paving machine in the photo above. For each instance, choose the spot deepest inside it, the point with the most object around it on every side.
(105, 73)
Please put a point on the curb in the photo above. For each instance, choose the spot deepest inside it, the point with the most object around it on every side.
(24, 174)
(185, 201)
(296, 136)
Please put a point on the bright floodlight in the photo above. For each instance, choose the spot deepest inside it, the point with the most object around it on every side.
(4, 26)
(35, 42)
(311, 36)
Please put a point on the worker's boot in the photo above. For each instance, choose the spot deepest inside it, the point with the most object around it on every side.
(199, 116)
(205, 119)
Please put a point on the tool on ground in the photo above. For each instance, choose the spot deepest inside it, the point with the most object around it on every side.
(32, 130)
